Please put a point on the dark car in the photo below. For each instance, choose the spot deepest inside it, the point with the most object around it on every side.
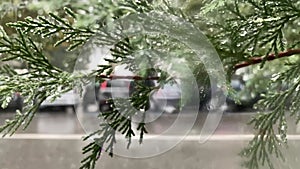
(16, 102)
(246, 100)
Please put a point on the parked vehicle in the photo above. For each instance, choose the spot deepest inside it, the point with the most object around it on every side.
(246, 100)
(167, 98)
(69, 99)
(16, 102)
(115, 88)
(90, 96)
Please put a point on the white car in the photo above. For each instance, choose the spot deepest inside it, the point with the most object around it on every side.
(68, 99)
(167, 98)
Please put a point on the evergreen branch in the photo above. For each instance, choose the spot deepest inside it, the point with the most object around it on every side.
(96, 147)
(248, 32)
(41, 81)
(142, 128)
(25, 49)
(118, 119)
(245, 33)
(266, 143)
(55, 26)
(36, 89)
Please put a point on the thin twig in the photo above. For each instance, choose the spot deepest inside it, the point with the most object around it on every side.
(256, 60)
(251, 61)
(128, 77)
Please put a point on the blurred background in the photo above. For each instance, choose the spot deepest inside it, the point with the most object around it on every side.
(53, 139)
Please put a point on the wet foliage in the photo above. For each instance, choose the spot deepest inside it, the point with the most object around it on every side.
(243, 32)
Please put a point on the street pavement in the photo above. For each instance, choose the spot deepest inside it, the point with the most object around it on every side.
(53, 141)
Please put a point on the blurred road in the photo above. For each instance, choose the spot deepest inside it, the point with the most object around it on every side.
(53, 141)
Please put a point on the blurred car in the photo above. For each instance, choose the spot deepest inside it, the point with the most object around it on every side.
(16, 102)
(167, 98)
(246, 100)
(115, 88)
(90, 96)
(69, 99)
